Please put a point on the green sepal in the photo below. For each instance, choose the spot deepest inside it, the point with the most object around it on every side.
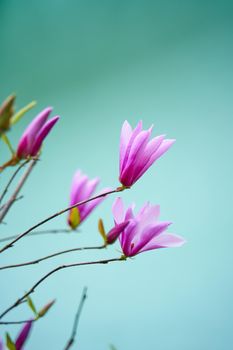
(102, 230)
(9, 342)
(6, 113)
(32, 305)
(17, 116)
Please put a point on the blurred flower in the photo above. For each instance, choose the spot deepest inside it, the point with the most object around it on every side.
(6, 113)
(23, 335)
(137, 153)
(32, 138)
(82, 188)
(144, 231)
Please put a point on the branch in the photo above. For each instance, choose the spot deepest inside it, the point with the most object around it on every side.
(61, 267)
(9, 245)
(76, 320)
(11, 179)
(38, 233)
(17, 190)
(18, 322)
(50, 256)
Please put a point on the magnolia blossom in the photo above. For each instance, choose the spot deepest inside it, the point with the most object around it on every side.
(32, 138)
(82, 188)
(138, 153)
(144, 230)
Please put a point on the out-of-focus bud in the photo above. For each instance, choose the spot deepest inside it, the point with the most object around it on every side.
(6, 113)
(46, 308)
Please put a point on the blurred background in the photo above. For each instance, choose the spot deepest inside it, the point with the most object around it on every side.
(98, 63)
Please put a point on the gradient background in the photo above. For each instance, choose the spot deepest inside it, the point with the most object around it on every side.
(99, 63)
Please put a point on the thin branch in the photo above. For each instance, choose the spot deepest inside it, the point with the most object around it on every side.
(9, 245)
(38, 233)
(61, 267)
(76, 320)
(18, 322)
(12, 178)
(16, 199)
(50, 256)
(17, 190)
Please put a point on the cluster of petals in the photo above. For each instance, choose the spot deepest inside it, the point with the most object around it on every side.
(143, 231)
(82, 188)
(138, 152)
(34, 135)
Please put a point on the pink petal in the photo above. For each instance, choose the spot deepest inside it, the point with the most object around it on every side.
(78, 187)
(23, 335)
(149, 234)
(87, 208)
(166, 144)
(42, 135)
(136, 152)
(165, 240)
(134, 134)
(126, 133)
(118, 210)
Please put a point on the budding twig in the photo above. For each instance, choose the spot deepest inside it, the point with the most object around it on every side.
(9, 245)
(61, 267)
(76, 320)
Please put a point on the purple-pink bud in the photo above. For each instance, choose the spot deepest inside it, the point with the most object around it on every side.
(23, 335)
(144, 231)
(115, 232)
(138, 153)
(34, 135)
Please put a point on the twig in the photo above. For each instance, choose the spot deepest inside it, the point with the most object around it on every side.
(50, 256)
(61, 267)
(76, 320)
(9, 245)
(18, 322)
(12, 178)
(17, 190)
(38, 233)
(16, 199)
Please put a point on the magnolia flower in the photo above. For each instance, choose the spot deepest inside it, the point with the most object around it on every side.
(82, 188)
(137, 153)
(144, 231)
(32, 138)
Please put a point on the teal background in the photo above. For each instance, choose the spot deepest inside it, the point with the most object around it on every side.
(99, 63)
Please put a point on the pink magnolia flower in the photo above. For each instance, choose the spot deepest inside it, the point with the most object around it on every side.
(137, 153)
(82, 188)
(23, 335)
(144, 231)
(32, 138)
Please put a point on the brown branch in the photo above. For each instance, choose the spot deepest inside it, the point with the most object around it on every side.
(9, 245)
(50, 256)
(38, 233)
(17, 190)
(76, 320)
(61, 267)
(12, 178)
